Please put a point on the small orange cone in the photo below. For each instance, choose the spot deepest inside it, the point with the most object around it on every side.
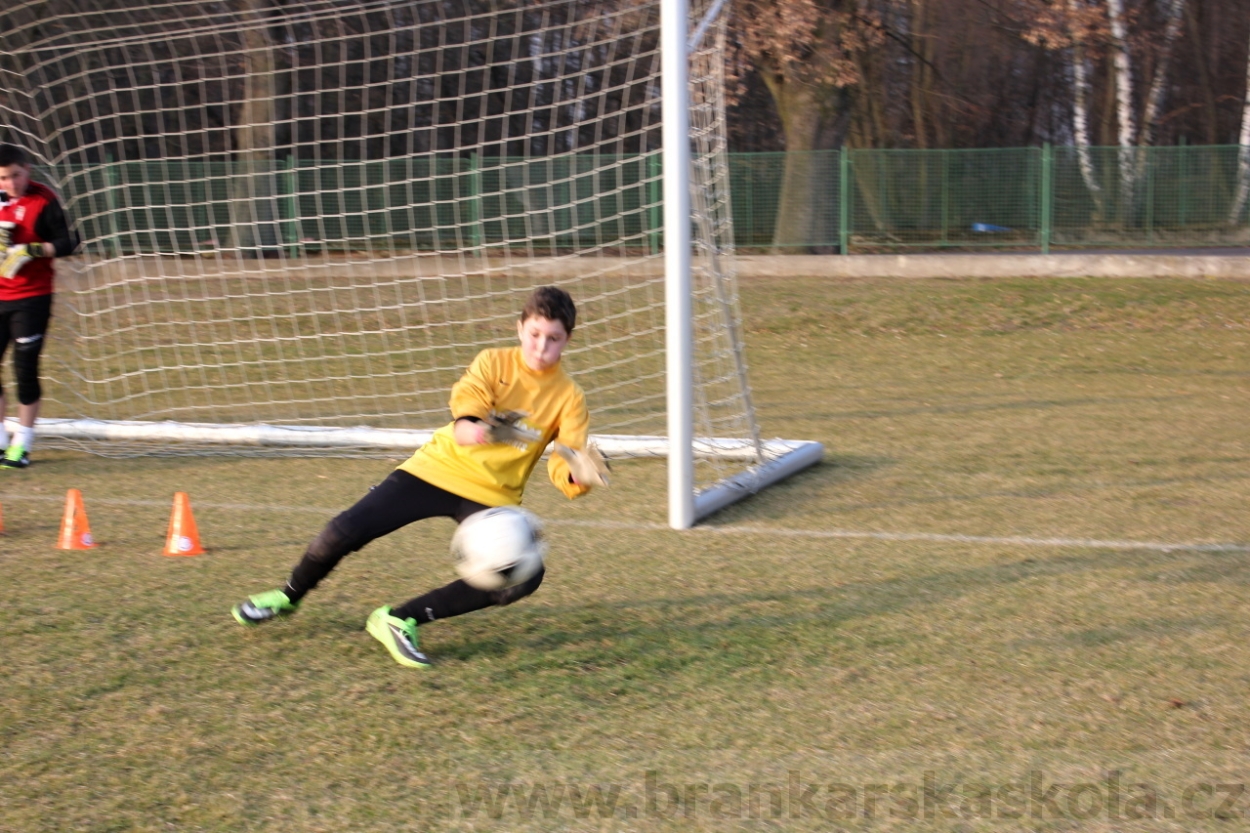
(75, 531)
(183, 537)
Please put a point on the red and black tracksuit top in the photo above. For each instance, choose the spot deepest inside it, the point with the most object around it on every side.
(39, 218)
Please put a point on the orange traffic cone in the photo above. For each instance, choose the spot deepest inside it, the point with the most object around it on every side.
(75, 531)
(183, 537)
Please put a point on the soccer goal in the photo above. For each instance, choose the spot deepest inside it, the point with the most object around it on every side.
(302, 221)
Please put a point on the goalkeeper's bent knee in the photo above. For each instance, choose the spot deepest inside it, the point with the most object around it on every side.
(26, 368)
(508, 595)
(332, 543)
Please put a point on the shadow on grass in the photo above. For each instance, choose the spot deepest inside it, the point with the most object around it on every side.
(1124, 632)
(777, 500)
(708, 635)
(1066, 489)
(1230, 569)
(742, 629)
(833, 468)
(837, 469)
(985, 407)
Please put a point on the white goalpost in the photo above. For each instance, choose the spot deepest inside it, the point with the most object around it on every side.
(302, 222)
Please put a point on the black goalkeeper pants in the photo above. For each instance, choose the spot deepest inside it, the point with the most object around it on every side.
(397, 501)
(25, 323)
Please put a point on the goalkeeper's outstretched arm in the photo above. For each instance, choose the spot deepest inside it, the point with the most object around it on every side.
(574, 432)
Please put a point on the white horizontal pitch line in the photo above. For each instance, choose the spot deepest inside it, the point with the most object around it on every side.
(638, 526)
(1013, 540)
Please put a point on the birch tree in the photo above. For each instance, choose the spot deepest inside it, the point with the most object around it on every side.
(1090, 32)
(1131, 133)
(1074, 28)
(1080, 113)
(1243, 155)
(1174, 11)
(1122, 74)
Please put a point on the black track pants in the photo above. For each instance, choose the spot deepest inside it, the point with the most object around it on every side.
(397, 501)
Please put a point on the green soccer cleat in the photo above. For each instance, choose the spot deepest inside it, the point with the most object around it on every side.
(399, 636)
(273, 604)
(15, 457)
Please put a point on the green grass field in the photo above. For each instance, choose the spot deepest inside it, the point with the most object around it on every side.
(1015, 596)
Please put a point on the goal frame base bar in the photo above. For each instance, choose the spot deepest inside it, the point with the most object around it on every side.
(782, 458)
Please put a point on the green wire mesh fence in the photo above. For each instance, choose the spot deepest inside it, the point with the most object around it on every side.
(851, 201)
(999, 198)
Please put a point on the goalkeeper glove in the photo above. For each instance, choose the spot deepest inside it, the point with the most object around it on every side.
(588, 467)
(6, 234)
(506, 427)
(15, 257)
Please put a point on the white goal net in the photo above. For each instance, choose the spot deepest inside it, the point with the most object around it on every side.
(302, 221)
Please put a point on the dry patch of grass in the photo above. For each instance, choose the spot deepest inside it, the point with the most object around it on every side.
(779, 668)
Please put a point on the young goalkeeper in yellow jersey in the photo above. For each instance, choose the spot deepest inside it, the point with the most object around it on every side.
(458, 472)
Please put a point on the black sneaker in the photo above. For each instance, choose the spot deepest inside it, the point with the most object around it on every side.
(272, 604)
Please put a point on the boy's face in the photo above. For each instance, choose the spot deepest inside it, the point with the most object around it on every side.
(542, 342)
(14, 179)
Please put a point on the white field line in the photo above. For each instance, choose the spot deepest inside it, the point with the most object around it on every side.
(774, 532)
(937, 537)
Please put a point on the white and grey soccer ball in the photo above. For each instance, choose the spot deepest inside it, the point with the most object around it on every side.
(498, 547)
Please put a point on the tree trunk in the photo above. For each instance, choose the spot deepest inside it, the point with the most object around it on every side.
(1080, 125)
(1158, 86)
(922, 47)
(813, 119)
(1210, 108)
(253, 205)
(1243, 156)
(1126, 128)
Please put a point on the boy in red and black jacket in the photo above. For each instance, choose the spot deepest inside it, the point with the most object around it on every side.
(33, 231)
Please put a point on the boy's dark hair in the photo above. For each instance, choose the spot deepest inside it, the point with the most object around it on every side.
(13, 155)
(553, 303)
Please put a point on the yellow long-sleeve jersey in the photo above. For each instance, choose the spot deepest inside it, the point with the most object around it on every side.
(494, 474)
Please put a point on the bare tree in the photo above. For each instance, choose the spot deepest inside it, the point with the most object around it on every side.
(253, 211)
(1074, 29)
(1243, 155)
(806, 52)
(1080, 115)
(1174, 12)
(1122, 73)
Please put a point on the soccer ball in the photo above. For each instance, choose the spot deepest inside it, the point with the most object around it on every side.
(498, 547)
